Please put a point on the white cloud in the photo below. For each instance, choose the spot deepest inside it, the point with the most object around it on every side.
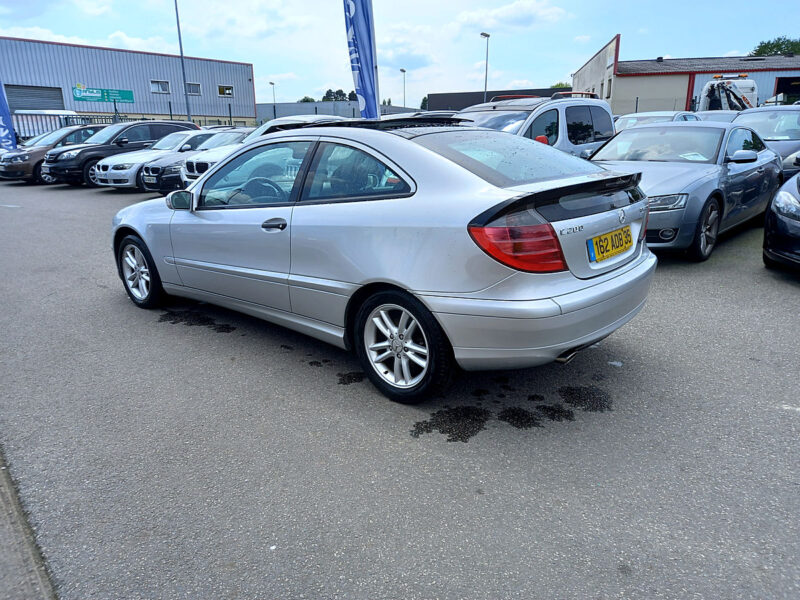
(93, 8)
(517, 15)
(281, 77)
(734, 53)
(520, 84)
(642, 30)
(582, 39)
(118, 39)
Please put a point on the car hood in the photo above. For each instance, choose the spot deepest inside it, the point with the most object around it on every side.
(215, 154)
(171, 158)
(71, 148)
(662, 178)
(783, 147)
(137, 156)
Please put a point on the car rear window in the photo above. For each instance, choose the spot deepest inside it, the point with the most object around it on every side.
(505, 160)
(502, 120)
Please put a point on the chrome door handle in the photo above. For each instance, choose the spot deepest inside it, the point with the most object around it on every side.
(274, 225)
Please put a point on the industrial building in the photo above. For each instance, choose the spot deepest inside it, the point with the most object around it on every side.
(459, 100)
(341, 108)
(676, 83)
(40, 75)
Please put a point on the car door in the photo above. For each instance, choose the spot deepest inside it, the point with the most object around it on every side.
(236, 240)
(346, 196)
(136, 137)
(770, 175)
(742, 180)
(545, 124)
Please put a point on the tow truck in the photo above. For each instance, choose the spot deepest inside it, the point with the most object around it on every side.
(723, 92)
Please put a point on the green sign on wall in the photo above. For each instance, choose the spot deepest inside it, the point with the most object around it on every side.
(81, 93)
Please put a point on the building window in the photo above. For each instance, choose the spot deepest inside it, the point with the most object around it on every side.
(159, 87)
(608, 89)
(226, 91)
(193, 89)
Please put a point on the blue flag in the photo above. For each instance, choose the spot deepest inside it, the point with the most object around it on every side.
(363, 60)
(8, 139)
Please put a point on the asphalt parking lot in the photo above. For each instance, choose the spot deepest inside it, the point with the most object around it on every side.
(193, 452)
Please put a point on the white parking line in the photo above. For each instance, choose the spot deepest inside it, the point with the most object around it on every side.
(790, 407)
(10, 205)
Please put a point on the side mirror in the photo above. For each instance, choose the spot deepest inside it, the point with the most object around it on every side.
(743, 156)
(185, 148)
(122, 141)
(179, 200)
(542, 139)
(585, 153)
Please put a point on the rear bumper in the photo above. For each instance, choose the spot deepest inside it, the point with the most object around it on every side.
(488, 334)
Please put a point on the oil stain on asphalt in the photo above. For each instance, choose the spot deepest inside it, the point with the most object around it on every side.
(461, 423)
(458, 424)
(348, 378)
(194, 319)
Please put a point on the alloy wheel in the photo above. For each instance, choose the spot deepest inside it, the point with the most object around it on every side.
(93, 174)
(136, 272)
(396, 345)
(709, 229)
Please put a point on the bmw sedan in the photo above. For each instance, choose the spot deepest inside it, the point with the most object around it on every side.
(421, 248)
(702, 178)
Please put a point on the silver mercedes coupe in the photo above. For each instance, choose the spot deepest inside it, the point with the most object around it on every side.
(419, 244)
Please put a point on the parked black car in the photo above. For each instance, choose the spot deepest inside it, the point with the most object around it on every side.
(76, 165)
(163, 175)
(782, 226)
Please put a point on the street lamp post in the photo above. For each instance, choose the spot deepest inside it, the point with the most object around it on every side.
(274, 104)
(183, 64)
(403, 71)
(486, 72)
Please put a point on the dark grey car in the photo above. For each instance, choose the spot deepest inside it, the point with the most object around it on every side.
(701, 178)
(779, 127)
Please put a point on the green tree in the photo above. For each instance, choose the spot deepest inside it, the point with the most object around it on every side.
(339, 95)
(561, 84)
(329, 96)
(352, 96)
(383, 102)
(306, 99)
(780, 45)
(424, 104)
(388, 102)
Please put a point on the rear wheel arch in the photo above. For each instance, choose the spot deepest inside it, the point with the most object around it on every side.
(361, 295)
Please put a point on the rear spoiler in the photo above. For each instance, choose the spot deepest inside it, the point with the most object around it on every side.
(616, 182)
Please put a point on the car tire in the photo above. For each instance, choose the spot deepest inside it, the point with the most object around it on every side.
(705, 236)
(39, 178)
(89, 176)
(773, 265)
(405, 370)
(140, 182)
(138, 272)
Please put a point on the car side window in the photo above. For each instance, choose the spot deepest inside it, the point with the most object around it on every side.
(159, 130)
(76, 137)
(579, 124)
(137, 133)
(545, 124)
(601, 123)
(758, 144)
(196, 140)
(691, 117)
(345, 172)
(741, 139)
(263, 175)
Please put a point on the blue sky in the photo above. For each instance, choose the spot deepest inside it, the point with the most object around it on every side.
(301, 45)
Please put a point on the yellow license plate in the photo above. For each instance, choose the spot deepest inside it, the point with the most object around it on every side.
(609, 245)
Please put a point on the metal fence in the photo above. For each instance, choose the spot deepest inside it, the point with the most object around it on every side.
(30, 125)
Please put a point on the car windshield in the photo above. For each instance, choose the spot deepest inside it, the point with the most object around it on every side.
(624, 122)
(773, 125)
(168, 142)
(501, 120)
(717, 115)
(48, 138)
(222, 139)
(505, 160)
(105, 135)
(34, 140)
(663, 144)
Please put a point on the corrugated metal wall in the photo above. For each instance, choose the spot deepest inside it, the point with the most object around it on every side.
(765, 80)
(26, 62)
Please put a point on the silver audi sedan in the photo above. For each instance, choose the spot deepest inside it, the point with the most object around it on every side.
(421, 248)
(701, 178)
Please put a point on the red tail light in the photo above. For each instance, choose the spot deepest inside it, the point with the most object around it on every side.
(531, 248)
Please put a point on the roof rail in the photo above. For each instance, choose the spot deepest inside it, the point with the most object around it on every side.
(560, 95)
(512, 97)
(399, 123)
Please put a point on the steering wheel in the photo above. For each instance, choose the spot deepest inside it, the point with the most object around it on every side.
(259, 187)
